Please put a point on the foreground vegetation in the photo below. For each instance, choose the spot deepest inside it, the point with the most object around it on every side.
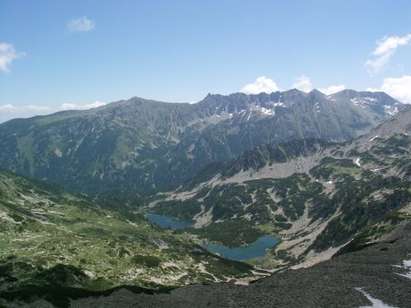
(50, 238)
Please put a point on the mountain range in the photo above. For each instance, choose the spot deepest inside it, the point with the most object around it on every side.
(329, 176)
(137, 147)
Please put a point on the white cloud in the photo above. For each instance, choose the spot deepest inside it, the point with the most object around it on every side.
(391, 43)
(332, 89)
(13, 108)
(7, 55)
(6, 107)
(399, 88)
(70, 106)
(373, 90)
(82, 24)
(303, 83)
(261, 84)
(9, 111)
(385, 49)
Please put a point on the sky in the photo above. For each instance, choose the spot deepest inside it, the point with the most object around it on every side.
(78, 54)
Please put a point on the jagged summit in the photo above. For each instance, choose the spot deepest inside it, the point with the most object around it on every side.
(143, 146)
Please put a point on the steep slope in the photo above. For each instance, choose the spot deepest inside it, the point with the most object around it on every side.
(52, 239)
(315, 196)
(140, 146)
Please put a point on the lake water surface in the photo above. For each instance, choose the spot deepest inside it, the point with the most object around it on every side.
(245, 252)
(168, 222)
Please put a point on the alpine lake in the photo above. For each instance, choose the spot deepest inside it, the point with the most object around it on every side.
(252, 250)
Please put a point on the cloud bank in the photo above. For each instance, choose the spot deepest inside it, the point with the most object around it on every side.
(70, 106)
(399, 88)
(303, 83)
(332, 89)
(9, 111)
(262, 84)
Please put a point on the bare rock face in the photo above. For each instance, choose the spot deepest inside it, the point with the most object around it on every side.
(375, 276)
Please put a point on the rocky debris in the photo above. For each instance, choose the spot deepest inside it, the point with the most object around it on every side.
(334, 283)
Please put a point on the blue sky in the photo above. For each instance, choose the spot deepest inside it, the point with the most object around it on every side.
(77, 53)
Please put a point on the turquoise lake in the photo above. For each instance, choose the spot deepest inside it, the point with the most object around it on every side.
(253, 250)
(246, 252)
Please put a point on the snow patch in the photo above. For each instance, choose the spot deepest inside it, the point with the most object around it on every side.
(359, 102)
(267, 111)
(249, 116)
(363, 102)
(58, 152)
(406, 265)
(373, 138)
(390, 110)
(375, 303)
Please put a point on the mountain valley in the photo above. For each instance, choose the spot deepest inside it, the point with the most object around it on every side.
(205, 154)
(315, 196)
(325, 179)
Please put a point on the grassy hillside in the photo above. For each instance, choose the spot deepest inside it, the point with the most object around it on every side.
(50, 238)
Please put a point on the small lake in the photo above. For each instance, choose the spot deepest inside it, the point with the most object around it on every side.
(246, 252)
(168, 222)
(253, 250)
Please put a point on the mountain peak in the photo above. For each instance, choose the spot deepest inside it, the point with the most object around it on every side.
(293, 91)
(315, 92)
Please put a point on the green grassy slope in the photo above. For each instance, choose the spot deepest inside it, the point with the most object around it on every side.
(50, 237)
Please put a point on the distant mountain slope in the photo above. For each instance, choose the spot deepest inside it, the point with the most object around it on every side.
(315, 196)
(139, 146)
(50, 239)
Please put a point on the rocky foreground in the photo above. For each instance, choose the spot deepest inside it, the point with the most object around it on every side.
(378, 275)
